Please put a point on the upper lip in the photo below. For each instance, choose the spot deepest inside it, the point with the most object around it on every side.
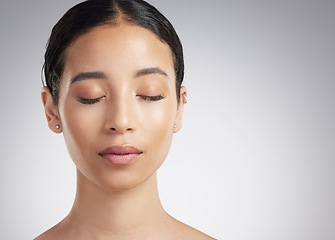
(120, 150)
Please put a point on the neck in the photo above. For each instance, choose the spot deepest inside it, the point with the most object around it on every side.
(98, 212)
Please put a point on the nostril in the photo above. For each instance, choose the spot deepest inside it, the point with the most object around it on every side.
(121, 130)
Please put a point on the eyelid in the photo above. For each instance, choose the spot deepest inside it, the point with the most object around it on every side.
(151, 98)
(90, 100)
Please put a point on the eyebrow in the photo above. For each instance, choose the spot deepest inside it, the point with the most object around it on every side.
(148, 71)
(88, 75)
(100, 75)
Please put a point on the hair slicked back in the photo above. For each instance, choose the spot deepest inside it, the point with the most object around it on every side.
(93, 13)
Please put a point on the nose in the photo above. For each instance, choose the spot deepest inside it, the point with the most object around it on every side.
(120, 117)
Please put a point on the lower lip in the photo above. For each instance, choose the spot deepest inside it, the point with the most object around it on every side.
(120, 159)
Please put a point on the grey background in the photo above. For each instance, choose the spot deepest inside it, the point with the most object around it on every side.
(255, 158)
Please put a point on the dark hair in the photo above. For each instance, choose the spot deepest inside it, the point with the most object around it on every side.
(93, 13)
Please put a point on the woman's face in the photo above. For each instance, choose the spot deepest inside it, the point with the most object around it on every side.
(118, 106)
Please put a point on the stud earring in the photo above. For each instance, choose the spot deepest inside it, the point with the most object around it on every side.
(184, 95)
(175, 126)
(58, 127)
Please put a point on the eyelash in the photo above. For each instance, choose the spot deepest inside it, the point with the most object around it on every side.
(97, 100)
(89, 100)
(152, 98)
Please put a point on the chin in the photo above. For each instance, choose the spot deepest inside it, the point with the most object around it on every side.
(117, 180)
(121, 183)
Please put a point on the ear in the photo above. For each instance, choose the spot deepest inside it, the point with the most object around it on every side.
(51, 111)
(182, 102)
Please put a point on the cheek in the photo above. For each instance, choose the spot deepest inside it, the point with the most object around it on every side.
(157, 118)
(157, 128)
(80, 126)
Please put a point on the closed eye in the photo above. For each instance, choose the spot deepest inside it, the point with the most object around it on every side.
(152, 98)
(90, 100)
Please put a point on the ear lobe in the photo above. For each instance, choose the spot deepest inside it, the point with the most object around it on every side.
(51, 111)
(182, 102)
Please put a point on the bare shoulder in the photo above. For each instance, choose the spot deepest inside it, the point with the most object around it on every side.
(194, 234)
(50, 234)
(187, 232)
(45, 236)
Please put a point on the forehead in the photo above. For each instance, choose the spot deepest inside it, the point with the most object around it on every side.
(118, 48)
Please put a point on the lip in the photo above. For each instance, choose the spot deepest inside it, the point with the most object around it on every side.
(120, 155)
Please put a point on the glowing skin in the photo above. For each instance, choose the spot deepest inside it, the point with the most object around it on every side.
(122, 116)
(118, 89)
